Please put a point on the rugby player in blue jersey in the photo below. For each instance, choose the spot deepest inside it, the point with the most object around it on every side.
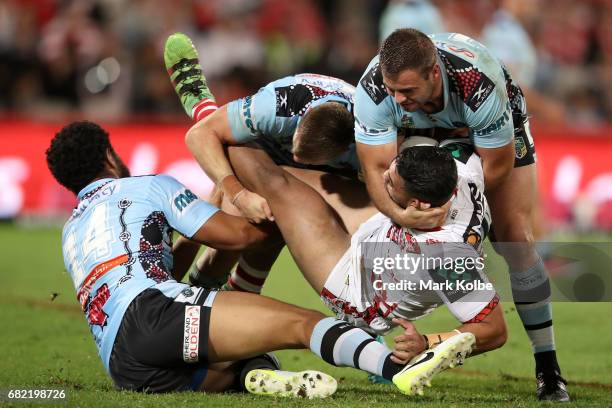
(155, 334)
(303, 121)
(452, 81)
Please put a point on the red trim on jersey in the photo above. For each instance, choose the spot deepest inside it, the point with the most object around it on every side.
(485, 311)
(96, 273)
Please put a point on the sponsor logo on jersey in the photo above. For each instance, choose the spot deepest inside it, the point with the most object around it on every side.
(191, 334)
(183, 199)
(495, 126)
(247, 115)
(372, 83)
(520, 148)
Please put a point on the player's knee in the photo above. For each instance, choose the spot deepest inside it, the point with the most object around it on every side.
(516, 229)
(274, 181)
(501, 336)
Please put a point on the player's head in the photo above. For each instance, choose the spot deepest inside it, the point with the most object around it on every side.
(409, 68)
(421, 175)
(324, 133)
(81, 153)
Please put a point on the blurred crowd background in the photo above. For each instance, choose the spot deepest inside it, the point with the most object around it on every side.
(104, 57)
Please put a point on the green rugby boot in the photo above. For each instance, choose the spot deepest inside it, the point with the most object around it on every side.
(183, 66)
(419, 372)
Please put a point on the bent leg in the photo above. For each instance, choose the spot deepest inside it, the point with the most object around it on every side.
(313, 231)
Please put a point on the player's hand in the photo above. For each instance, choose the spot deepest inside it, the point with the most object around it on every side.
(423, 217)
(409, 344)
(216, 197)
(253, 206)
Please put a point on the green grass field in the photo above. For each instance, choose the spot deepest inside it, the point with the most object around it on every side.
(46, 344)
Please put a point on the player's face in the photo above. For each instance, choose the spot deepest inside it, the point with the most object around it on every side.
(395, 186)
(413, 91)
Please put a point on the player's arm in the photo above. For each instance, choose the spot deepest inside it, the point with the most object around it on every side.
(221, 231)
(184, 252)
(203, 222)
(225, 231)
(497, 163)
(375, 160)
(206, 140)
(490, 333)
(493, 133)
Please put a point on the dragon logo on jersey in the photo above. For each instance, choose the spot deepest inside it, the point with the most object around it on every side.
(155, 241)
(372, 83)
(295, 99)
(473, 86)
(95, 315)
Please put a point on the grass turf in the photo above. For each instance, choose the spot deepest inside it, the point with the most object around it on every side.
(46, 344)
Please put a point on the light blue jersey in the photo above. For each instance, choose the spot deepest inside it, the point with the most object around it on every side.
(275, 111)
(118, 242)
(476, 95)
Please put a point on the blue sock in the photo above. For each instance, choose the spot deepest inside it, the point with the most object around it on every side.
(531, 293)
(341, 344)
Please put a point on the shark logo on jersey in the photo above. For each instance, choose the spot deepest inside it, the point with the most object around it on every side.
(473, 86)
(372, 83)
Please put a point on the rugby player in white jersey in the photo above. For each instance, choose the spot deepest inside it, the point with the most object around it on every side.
(452, 81)
(155, 334)
(331, 259)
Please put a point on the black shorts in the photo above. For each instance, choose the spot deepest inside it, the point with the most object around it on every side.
(283, 158)
(162, 342)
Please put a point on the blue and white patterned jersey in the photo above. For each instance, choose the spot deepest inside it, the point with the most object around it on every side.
(275, 111)
(118, 242)
(476, 95)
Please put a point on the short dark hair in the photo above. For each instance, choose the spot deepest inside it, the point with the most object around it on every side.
(77, 154)
(429, 173)
(326, 130)
(407, 48)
